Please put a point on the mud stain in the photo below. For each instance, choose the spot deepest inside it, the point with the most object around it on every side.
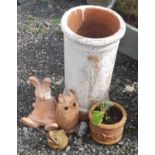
(95, 66)
(95, 59)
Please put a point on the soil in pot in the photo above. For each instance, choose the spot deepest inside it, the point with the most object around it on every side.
(114, 116)
(128, 9)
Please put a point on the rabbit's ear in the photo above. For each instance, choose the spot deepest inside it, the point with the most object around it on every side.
(47, 82)
(71, 93)
(34, 81)
(61, 98)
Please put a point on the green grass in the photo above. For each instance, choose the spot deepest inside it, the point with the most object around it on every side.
(56, 21)
(32, 29)
(30, 19)
(46, 1)
(42, 29)
(58, 32)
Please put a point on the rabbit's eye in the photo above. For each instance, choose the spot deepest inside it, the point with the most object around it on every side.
(66, 108)
(74, 104)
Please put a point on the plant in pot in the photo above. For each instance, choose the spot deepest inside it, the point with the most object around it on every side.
(105, 3)
(128, 9)
(107, 121)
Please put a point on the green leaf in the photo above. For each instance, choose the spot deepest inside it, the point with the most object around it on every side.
(97, 117)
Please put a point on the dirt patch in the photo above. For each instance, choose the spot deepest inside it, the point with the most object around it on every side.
(114, 116)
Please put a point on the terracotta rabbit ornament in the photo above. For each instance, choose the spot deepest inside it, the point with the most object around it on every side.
(67, 112)
(43, 113)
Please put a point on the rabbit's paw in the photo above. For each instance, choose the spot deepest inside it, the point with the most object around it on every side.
(29, 122)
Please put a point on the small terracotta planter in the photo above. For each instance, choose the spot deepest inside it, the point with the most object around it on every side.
(108, 133)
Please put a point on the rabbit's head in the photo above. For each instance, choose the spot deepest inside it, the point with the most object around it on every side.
(68, 103)
(42, 89)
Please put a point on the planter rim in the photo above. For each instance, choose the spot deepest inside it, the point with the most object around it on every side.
(93, 41)
(110, 126)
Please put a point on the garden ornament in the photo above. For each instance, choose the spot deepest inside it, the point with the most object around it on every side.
(43, 113)
(67, 112)
(57, 139)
